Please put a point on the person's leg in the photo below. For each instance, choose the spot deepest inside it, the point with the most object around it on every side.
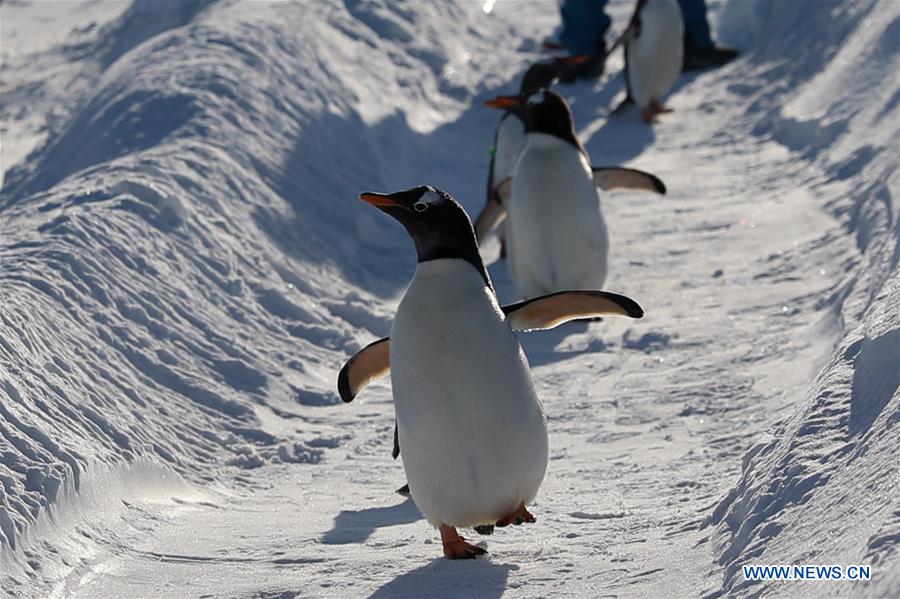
(700, 52)
(584, 26)
(696, 27)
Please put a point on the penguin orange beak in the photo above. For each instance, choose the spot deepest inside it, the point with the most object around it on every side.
(504, 102)
(379, 199)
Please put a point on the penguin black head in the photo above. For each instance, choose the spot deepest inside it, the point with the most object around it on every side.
(546, 112)
(537, 77)
(438, 225)
(551, 115)
(542, 75)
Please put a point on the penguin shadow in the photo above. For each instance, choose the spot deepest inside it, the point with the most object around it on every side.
(541, 347)
(623, 137)
(356, 526)
(445, 578)
(588, 102)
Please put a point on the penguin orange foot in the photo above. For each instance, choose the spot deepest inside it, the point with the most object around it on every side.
(648, 114)
(520, 516)
(657, 107)
(455, 547)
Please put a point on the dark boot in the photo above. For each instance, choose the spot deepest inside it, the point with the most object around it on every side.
(589, 69)
(697, 58)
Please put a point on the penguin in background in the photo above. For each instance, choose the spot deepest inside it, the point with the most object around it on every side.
(473, 430)
(508, 139)
(654, 52)
(556, 235)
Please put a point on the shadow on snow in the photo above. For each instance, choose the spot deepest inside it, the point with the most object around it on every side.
(356, 526)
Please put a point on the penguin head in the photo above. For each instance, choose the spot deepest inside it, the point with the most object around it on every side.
(537, 77)
(542, 75)
(438, 225)
(550, 114)
(544, 112)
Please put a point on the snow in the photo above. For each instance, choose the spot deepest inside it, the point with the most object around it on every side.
(185, 267)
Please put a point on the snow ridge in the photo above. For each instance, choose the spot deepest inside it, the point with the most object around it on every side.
(180, 259)
(838, 116)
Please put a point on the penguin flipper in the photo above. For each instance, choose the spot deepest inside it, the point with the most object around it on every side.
(503, 190)
(491, 216)
(396, 451)
(549, 311)
(366, 365)
(618, 177)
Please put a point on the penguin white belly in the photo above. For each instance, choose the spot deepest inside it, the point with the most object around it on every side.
(472, 429)
(507, 148)
(556, 235)
(655, 57)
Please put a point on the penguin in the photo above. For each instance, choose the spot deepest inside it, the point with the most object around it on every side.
(508, 139)
(473, 431)
(654, 50)
(556, 235)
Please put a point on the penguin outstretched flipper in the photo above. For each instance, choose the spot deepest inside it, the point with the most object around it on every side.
(617, 177)
(549, 311)
(539, 313)
(366, 365)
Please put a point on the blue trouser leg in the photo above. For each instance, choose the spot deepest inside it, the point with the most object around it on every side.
(696, 28)
(584, 26)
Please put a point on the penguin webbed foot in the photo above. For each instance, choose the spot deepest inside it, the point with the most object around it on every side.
(649, 112)
(520, 516)
(456, 547)
(657, 107)
(484, 529)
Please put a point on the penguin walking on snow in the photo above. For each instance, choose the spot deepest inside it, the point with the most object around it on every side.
(473, 431)
(654, 51)
(508, 138)
(556, 235)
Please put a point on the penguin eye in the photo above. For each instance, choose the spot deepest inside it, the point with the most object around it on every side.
(420, 206)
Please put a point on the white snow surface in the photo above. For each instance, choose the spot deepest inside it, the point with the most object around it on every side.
(184, 267)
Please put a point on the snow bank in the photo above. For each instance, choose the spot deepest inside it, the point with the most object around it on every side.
(823, 487)
(181, 258)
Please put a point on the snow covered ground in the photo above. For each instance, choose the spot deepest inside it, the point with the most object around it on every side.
(184, 267)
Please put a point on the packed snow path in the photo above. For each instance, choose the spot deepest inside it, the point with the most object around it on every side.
(185, 267)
